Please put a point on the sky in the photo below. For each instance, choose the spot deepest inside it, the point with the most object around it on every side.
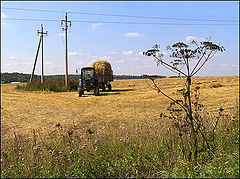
(120, 44)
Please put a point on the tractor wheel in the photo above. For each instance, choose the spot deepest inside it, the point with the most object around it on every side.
(80, 92)
(96, 91)
(109, 87)
(103, 87)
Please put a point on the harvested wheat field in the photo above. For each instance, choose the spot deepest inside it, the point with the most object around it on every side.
(130, 102)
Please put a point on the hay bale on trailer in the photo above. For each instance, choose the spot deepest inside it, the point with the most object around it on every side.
(102, 65)
(104, 72)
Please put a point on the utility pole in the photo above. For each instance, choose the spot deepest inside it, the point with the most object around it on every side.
(34, 65)
(66, 54)
(41, 36)
(35, 61)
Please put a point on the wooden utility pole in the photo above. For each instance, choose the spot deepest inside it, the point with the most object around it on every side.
(66, 54)
(41, 36)
(34, 65)
(40, 41)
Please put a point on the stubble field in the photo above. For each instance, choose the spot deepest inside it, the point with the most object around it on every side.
(130, 102)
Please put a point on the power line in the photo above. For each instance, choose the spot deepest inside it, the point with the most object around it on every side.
(21, 19)
(112, 22)
(145, 23)
(149, 17)
(23, 9)
(120, 15)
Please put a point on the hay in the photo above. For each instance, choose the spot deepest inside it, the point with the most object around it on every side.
(102, 65)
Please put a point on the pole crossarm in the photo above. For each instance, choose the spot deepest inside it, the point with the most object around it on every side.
(66, 22)
(41, 32)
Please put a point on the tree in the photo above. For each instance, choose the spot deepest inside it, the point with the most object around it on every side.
(191, 58)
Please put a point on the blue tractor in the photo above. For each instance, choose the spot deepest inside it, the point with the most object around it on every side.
(88, 81)
(96, 77)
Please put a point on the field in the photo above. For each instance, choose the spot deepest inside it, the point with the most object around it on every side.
(129, 102)
(118, 134)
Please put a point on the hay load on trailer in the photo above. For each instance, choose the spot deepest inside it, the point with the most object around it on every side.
(104, 73)
(102, 65)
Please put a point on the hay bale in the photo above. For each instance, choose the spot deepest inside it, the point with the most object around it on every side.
(103, 70)
(102, 65)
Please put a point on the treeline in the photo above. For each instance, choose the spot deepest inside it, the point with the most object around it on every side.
(21, 77)
(16, 77)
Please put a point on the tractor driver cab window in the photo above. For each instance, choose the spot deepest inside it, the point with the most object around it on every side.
(89, 73)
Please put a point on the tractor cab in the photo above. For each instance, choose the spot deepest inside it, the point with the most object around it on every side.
(88, 73)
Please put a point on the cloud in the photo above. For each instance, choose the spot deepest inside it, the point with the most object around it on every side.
(130, 52)
(81, 63)
(112, 53)
(94, 57)
(164, 53)
(101, 58)
(179, 28)
(234, 65)
(139, 54)
(133, 34)
(29, 58)
(121, 61)
(218, 55)
(3, 24)
(3, 16)
(61, 34)
(75, 53)
(26, 63)
(94, 26)
(105, 58)
(191, 38)
(12, 57)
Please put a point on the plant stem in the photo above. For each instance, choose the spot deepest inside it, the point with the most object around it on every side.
(170, 66)
(194, 138)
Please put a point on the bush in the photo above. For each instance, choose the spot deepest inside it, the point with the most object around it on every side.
(56, 85)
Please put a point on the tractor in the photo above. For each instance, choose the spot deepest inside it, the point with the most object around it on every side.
(95, 78)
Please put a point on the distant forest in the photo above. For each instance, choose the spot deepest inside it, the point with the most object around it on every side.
(20, 77)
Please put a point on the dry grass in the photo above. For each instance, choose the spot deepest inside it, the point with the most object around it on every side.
(131, 102)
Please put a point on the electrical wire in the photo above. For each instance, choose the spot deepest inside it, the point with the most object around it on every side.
(23, 9)
(121, 15)
(151, 17)
(145, 23)
(112, 22)
(21, 19)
